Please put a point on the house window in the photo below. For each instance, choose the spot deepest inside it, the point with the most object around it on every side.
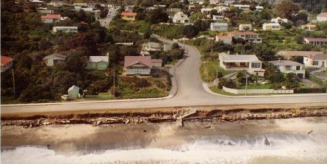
(256, 65)
(315, 63)
(298, 67)
(287, 68)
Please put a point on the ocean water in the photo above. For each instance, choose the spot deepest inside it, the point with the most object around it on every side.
(268, 149)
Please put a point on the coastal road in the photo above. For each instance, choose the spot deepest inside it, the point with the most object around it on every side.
(190, 92)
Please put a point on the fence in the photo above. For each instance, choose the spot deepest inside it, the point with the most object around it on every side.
(257, 91)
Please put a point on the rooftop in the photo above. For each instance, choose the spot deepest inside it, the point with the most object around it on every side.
(242, 33)
(288, 54)
(316, 39)
(322, 15)
(285, 63)
(224, 37)
(320, 57)
(128, 14)
(5, 60)
(51, 16)
(240, 58)
(219, 24)
(131, 60)
(55, 55)
(95, 59)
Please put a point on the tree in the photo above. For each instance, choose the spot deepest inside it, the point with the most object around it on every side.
(147, 33)
(175, 46)
(189, 31)
(157, 16)
(286, 9)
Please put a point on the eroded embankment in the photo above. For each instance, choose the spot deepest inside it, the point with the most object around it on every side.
(157, 116)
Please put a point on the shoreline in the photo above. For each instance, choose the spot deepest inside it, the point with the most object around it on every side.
(161, 115)
(120, 143)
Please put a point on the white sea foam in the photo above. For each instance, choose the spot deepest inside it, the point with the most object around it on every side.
(215, 149)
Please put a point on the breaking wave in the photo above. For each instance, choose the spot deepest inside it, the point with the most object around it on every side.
(276, 148)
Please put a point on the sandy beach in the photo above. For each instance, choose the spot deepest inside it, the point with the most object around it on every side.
(179, 143)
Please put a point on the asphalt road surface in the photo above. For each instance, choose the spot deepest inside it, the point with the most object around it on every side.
(190, 92)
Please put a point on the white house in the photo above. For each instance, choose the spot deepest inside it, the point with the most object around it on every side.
(322, 17)
(309, 27)
(54, 59)
(149, 47)
(247, 36)
(43, 10)
(250, 63)
(74, 92)
(6, 63)
(214, 2)
(228, 2)
(259, 8)
(288, 66)
(65, 29)
(241, 7)
(218, 17)
(79, 4)
(271, 27)
(180, 17)
(218, 26)
(279, 20)
(245, 27)
(206, 10)
(318, 60)
(98, 62)
(221, 9)
(224, 38)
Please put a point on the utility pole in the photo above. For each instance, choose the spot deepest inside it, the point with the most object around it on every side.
(13, 81)
(114, 83)
(217, 77)
(246, 84)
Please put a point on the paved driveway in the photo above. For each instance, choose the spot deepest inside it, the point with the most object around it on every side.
(190, 92)
(104, 22)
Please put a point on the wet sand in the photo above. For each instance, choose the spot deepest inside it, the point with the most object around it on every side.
(70, 139)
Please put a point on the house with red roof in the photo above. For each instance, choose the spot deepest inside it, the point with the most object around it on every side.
(50, 18)
(141, 65)
(130, 16)
(6, 63)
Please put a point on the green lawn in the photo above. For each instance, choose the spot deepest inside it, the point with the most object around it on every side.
(220, 91)
(264, 86)
(209, 69)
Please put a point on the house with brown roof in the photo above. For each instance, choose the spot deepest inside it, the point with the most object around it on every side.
(130, 16)
(290, 54)
(288, 66)
(322, 17)
(50, 18)
(247, 36)
(141, 65)
(224, 38)
(318, 61)
(315, 41)
(6, 63)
